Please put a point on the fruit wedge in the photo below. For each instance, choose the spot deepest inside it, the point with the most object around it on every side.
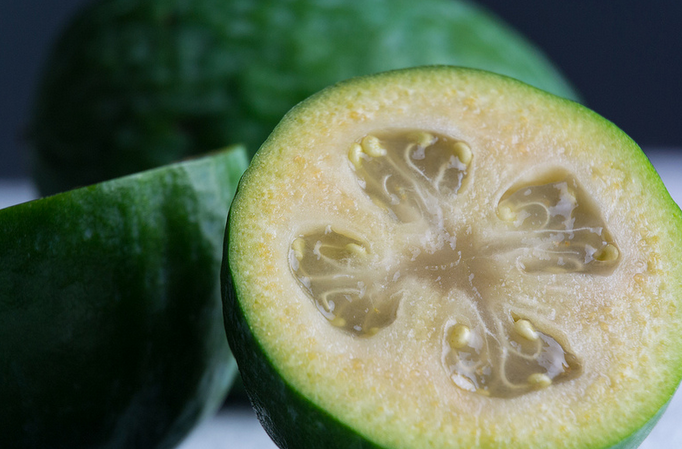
(442, 257)
(131, 85)
(111, 331)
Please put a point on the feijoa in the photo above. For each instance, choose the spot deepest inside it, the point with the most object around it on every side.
(111, 331)
(131, 85)
(442, 257)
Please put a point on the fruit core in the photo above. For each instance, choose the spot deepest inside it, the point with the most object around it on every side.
(550, 226)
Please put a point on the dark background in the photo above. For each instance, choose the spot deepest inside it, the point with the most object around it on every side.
(625, 57)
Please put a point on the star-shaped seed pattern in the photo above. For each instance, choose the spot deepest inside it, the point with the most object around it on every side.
(551, 228)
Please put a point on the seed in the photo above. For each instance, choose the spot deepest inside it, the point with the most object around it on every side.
(355, 155)
(423, 139)
(525, 329)
(356, 249)
(298, 246)
(607, 253)
(338, 321)
(459, 336)
(506, 213)
(539, 380)
(371, 145)
(463, 152)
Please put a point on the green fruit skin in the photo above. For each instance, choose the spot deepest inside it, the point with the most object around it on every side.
(292, 420)
(111, 332)
(132, 85)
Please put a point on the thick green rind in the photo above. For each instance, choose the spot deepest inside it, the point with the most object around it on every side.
(132, 85)
(257, 364)
(111, 333)
(289, 418)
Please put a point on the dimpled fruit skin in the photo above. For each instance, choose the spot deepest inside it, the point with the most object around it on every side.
(136, 84)
(111, 333)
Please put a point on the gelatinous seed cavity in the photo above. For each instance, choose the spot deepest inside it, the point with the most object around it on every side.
(559, 227)
(335, 271)
(525, 359)
(552, 226)
(406, 172)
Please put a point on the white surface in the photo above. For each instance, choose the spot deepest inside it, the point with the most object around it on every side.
(15, 191)
(234, 427)
(669, 167)
(237, 427)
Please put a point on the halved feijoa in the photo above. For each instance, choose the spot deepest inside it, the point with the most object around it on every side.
(111, 331)
(446, 258)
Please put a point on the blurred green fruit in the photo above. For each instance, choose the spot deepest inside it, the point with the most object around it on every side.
(135, 84)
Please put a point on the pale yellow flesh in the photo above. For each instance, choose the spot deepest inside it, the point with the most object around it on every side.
(486, 317)
(552, 229)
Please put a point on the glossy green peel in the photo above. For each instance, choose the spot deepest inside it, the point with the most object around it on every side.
(445, 257)
(110, 316)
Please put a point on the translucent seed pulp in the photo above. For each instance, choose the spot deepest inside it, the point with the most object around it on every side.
(333, 269)
(405, 172)
(510, 367)
(558, 224)
(553, 227)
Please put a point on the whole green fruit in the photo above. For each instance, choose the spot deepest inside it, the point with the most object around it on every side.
(136, 84)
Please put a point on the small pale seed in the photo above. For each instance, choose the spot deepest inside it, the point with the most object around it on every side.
(459, 336)
(338, 322)
(506, 213)
(355, 155)
(356, 250)
(423, 139)
(463, 152)
(607, 253)
(525, 329)
(539, 380)
(371, 145)
(298, 246)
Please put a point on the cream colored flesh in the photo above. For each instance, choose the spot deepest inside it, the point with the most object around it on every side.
(444, 258)
(552, 229)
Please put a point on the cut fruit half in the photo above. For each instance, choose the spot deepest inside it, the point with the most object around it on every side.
(443, 257)
(111, 332)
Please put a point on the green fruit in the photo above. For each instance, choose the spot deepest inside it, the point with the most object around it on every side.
(111, 331)
(444, 257)
(135, 84)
